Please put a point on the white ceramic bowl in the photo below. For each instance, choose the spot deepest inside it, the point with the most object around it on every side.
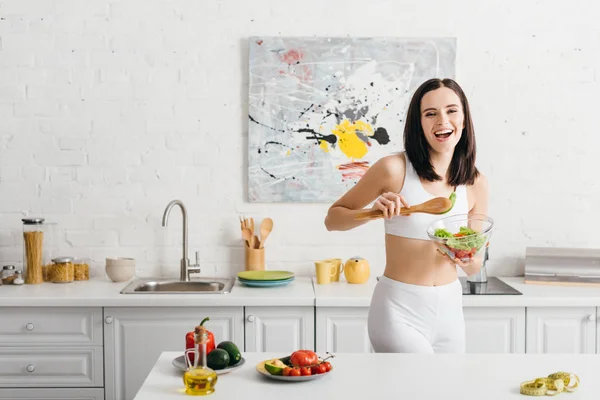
(120, 269)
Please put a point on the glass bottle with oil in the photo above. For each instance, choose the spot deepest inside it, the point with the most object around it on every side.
(199, 380)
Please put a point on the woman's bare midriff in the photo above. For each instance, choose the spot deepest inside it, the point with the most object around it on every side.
(417, 262)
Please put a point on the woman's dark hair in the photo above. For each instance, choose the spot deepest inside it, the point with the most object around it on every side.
(462, 170)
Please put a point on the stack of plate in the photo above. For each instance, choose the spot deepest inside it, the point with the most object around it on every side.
(265, 278)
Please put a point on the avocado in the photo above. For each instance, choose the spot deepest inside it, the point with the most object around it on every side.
(287, 360)
(217, 359)
(234, 353)
(275, 366)
(453, 200)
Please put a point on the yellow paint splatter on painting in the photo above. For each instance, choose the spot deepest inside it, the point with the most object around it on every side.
(324, 146)
(350, 144)
(288, 152)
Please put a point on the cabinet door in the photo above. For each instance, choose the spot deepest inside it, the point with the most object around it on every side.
(135, 337)
(561, 330)
(279, 329)
(342, 330)
(495, 329)
(55, 394)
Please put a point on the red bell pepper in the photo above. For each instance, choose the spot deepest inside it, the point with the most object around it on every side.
(190, 341)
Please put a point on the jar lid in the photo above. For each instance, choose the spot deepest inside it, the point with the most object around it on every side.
(32, 221)
(60, 260)
(9, 267)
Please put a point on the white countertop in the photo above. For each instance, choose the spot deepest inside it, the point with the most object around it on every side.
(304, 291)
(390, 376)
(343, 294)
(101, 292)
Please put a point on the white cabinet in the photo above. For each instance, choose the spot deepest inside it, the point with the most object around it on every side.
(51, 367)
(55, 394)
(58, 326)
(488, 330)
(561, 330)
(59, 347)
(495, 329)
(342, 330)
(135, 337)
(279, 329)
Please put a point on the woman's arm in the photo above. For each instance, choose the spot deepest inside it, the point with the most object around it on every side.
(380, 178)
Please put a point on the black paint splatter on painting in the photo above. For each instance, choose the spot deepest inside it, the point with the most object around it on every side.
(266, 126)
(306, 110)
(318, 136)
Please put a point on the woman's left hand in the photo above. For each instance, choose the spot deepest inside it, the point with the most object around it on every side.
(470, 267)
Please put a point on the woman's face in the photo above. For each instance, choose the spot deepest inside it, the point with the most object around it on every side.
(442, 119)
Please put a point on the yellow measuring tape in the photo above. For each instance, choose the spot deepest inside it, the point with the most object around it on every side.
(552, 385)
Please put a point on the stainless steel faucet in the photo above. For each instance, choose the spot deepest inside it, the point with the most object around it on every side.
(186, 268)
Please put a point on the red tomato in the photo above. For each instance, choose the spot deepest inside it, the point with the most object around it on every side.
(327, 366)
(323, 367)
(295, 372)
(461, 253)
(314, 370)
(305, 371)
(286, 371)
(459, 234)
(303, 358)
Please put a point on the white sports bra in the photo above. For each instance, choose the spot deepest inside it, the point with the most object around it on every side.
(415, 225)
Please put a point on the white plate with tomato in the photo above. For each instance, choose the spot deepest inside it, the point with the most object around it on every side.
(301, 365)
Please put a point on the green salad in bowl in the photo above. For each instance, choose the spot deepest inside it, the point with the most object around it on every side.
(461, 236)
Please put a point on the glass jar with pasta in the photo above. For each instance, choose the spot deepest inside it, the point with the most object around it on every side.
(61, 271)
(81, 269)
(33, 250)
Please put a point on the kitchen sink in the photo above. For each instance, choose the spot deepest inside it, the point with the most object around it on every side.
(173, 286)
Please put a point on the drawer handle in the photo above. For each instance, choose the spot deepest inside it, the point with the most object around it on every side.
(108, 320)
(251, 318)
(31, 368)
(29, 327)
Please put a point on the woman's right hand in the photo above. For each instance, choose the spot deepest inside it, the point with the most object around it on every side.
(390, 203)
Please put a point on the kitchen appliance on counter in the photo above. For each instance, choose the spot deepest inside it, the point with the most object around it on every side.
(493, 286)
(479, 283)
(562, 266)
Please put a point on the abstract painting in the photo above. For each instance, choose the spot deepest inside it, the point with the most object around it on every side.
(323, 110)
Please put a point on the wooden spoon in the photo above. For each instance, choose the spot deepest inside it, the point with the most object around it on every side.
(438, 205)
(266, 226)
(247, 235)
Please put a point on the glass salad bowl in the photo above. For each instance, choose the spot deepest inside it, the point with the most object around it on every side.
(461, 236)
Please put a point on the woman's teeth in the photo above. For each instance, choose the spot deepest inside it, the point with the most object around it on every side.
(444, 133)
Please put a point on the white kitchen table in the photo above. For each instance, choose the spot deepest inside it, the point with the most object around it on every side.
(390, 376)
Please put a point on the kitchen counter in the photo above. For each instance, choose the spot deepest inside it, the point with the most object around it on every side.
(383, 376)
(102, 292)
(304, 291)
(343, 294)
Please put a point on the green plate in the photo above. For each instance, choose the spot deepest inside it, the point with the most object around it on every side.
(265, 275)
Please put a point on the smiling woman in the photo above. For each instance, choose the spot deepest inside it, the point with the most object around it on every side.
(417, 303)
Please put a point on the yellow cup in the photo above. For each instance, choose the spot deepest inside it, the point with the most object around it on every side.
(325, 271)
(339, 267)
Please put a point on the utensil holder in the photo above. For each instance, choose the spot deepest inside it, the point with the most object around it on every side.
(254, 259)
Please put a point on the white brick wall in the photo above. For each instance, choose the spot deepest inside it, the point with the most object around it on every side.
(110, 109)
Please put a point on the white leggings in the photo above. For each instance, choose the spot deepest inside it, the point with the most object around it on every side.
(406, 318)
